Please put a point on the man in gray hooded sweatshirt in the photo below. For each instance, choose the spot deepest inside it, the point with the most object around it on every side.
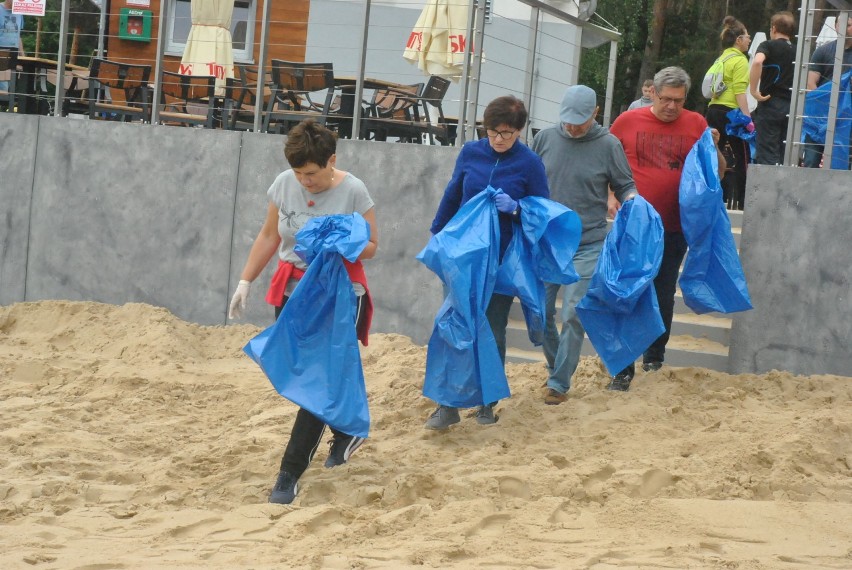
(584, 162)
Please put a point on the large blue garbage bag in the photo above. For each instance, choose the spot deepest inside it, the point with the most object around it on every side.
(463, 366)
(542, 249)
(737, 123)
(815, 121)
(554, 232)
(620, 311)
(712, 278)
(310, 354)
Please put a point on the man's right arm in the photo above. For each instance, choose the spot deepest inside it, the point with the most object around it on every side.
(754, 77)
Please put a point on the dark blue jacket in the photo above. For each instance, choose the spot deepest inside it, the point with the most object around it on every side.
(519, 172)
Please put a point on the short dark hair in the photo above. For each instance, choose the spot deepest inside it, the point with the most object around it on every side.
(731, 30)
(309, 142)
(784, 23)
(648, 83)
(505, 110)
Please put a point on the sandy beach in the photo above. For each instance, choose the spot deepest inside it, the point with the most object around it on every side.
(132, 439)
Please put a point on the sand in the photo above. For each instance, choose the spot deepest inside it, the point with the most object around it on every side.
(132, 439)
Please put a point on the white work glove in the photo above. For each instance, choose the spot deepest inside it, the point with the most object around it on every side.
(238, 301)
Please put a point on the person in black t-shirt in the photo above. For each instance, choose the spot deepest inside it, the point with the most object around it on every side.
(770, 83)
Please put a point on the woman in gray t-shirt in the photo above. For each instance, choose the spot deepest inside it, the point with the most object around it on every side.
(312, 187)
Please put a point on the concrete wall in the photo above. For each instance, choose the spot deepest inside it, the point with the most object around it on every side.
(798, 262)
(119, 213)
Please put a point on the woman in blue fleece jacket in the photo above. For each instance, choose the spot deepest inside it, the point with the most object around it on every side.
(503, 162)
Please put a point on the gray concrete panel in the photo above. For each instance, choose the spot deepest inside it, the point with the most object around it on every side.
(406, 182)
(133, 213)
(261, 160)
(18, 139)
(798, 263)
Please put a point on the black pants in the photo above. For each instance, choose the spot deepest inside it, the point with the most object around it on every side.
(737, 155)
(770, 123)
(674, 250)
(307, 431)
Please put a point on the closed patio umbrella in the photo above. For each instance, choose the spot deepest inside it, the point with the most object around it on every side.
(438, 42)
(208, 48)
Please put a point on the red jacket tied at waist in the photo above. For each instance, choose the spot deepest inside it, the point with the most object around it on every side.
(287, 271)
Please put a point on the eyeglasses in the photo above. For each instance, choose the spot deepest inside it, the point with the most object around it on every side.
(669, 100)
(505, 135)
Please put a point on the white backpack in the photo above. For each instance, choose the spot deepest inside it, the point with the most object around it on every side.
(713, 84)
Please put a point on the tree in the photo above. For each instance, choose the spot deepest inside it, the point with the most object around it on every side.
(41, 35)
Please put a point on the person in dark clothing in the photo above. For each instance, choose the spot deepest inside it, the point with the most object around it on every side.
(503, 162)
(771, 83)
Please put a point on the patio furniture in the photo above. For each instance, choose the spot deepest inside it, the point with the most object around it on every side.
(410, 118)
(241, 99)
(188, 100)
(294, 87)
(129, 80)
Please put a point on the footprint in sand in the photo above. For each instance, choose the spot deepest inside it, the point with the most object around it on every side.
(513, 487)
(492, 525)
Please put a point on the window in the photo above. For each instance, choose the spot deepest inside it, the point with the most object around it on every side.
(242, 28)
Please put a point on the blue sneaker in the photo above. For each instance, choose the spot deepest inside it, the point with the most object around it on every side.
(285, 489)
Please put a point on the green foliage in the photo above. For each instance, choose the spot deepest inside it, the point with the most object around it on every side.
(690, 39)
(82, 15)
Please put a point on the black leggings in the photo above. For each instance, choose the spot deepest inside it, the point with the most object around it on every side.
(307, 431)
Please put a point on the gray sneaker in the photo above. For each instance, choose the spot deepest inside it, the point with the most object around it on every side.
(485, 415)
(442, 418)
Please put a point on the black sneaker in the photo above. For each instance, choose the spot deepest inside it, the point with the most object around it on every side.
(485, 415)
(652, 365)
(621, 382)
(285, 489)
(341, 449)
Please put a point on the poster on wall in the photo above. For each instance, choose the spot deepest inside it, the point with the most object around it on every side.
(28, 7)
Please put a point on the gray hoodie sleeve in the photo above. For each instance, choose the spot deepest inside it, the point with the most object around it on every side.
(620, 175)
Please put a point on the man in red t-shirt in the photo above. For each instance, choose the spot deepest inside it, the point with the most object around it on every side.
(656, 140)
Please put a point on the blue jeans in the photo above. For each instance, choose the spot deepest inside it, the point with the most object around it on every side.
(562, 350)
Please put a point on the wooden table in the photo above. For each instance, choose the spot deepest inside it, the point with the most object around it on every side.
(33, 101)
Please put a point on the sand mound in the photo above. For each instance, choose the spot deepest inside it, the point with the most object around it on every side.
(132, 439)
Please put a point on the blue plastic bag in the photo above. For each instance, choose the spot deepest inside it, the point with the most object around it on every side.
(542, 249)
(620, 311)
(554, 232)
(310, 354)
(815, 121)
(737, 123)
(712, 278)
(463, 366)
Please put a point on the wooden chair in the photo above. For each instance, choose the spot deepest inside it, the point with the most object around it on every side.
(294, 87)
(188, 99)
(241, 99)
(130, 80)
(8, 72)
(433, 97)
(391, 112)
(418, 121)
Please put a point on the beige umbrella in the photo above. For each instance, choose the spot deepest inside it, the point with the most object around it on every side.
(208, 48)
(438, 42)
